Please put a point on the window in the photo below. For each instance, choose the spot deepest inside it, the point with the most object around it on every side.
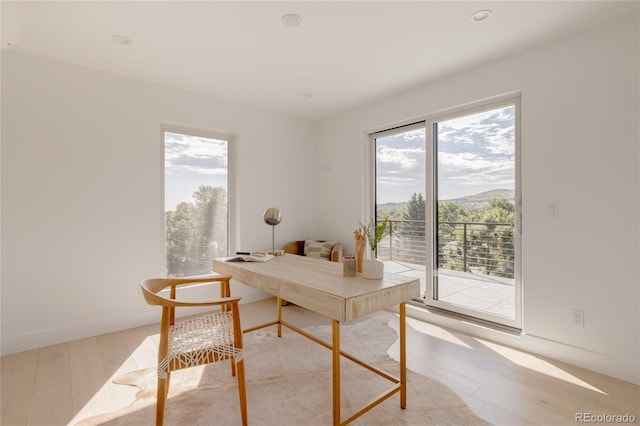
(196, 198)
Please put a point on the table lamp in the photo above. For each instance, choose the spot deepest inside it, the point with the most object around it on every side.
(273, 217)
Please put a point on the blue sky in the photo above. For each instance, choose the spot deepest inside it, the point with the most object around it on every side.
(191, 161)
(400, 166)
(476, 153)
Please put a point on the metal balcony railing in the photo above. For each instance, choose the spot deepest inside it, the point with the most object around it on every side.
(481, 248)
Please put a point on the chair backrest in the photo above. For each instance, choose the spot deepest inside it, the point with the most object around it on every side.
(152, 286)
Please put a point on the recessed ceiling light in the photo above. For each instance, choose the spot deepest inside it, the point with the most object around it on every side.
(291, 20)
(481, 15)
(120, 39)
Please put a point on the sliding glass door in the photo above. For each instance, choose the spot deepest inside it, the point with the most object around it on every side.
(476, 214)
(449, 188)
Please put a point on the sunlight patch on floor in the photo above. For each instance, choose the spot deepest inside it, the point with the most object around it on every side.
(436, 331)
(538, 365)
(104, 399)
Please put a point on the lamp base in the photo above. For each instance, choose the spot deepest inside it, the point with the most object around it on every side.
(276, 252)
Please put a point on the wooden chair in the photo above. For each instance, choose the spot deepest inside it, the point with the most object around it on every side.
(203, 339)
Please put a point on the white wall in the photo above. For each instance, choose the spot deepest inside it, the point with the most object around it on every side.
(580, 138)
(82, 218)
(82, 193)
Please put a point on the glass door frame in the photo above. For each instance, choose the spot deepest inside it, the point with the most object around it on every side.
(431, 215)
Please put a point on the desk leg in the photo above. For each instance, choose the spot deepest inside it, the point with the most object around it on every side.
(335, 337)
(279, 316)
(403, 357)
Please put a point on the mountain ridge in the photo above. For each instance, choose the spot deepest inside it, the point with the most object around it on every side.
(482, 198)
(477, 200)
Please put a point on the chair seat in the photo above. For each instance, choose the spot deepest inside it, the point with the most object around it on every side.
(200, 340)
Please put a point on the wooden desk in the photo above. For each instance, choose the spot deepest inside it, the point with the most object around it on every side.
(320, 287)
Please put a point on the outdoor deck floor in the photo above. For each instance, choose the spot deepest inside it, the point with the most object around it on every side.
(479, 292)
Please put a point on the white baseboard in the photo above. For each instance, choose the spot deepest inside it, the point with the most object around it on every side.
(96, 327)
(580, 357)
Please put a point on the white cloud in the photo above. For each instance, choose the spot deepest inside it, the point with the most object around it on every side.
(404, 158)
(190, 162)
(471, 169)
(475, 153)
(395, 179)
(197, 155)
(411, 135)
(477, 150)
(501, 142)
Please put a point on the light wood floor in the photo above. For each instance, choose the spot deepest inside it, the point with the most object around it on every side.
(65, 383)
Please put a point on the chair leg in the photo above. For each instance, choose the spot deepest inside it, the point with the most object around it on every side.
(242, 391)
(233, 367)
(160, 399)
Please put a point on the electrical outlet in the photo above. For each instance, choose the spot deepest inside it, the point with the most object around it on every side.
(577, 317)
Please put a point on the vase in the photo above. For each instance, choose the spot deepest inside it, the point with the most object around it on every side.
(372, 268)
(360, 244)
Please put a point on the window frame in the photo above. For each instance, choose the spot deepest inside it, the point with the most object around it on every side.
(231, 180)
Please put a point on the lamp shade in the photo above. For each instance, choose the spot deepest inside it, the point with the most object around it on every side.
(272, 216)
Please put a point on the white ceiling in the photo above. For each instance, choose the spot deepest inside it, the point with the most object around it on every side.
(342, 55)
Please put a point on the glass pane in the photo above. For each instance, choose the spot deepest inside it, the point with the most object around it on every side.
(476, 211)
(400, 199)
(196, 176)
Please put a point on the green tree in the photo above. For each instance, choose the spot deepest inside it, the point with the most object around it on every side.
(416, 208)
(210, 222)
(490, 246)
(498, 210)
(196, 232)
(478, 236)
(408, 235)
(178, 230)
(450, 211)
(450, 235)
